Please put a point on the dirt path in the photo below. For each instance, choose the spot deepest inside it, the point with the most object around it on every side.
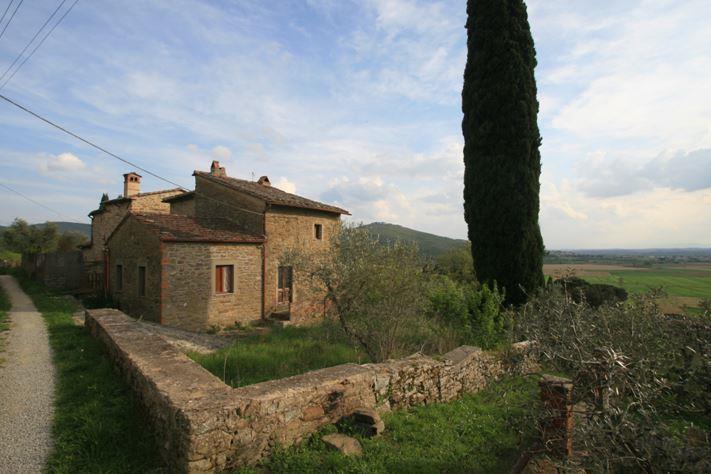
(26, 387)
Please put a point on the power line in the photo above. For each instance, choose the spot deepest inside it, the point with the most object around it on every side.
(32, 200)
(88, 142)
(41, 41)
(32, 40)
(113, 155)
(6, 10)
(11, 17)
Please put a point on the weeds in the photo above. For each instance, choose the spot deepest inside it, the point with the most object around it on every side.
(97, 424)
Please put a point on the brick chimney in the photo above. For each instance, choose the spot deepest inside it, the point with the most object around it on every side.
(216, 169)
(131, 184)
(264, 181)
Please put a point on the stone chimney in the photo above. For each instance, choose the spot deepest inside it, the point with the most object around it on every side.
(216, 169)
(131, 184)
(264, 181)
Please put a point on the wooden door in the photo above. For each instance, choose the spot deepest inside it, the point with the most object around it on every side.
(284, 285)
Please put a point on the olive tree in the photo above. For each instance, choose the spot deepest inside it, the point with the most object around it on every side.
(376, 291)
(639, 376)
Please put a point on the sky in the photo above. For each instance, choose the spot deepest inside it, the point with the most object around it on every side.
(358, 104)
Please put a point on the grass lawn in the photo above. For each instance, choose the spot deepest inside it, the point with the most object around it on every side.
(676, 281)
(685, 285)
(97, 424)
(279, 353)
(474, 434)
(4, 323)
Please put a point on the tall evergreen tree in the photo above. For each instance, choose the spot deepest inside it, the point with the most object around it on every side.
(502, 162)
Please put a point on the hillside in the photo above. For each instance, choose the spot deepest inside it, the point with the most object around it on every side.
(430, 244)
(78, 227)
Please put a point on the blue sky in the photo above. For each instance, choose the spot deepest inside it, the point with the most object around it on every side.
(358, 104)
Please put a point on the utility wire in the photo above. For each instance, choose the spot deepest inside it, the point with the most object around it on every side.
(41, 41)
(6, 10)
(113, 155)
(32, 40)
(11, 17)
(33, 201)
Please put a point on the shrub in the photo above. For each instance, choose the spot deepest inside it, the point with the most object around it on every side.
(375, 290)
(642, 376)
(473, 310)
(594, 294)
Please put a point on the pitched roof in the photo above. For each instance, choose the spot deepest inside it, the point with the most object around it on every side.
(180, 197)
(270, 194)
(177, 228)
(130, 198)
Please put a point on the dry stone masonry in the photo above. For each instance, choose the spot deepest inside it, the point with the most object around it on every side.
(203, 425)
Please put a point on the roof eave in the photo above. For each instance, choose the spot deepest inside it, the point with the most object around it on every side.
(209, 241)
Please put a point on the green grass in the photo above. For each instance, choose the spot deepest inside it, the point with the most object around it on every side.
(676, 281)
(97, 423)
(474, 434)
(5, 306)
(280, 353)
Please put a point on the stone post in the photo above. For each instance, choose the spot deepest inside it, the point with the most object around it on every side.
(557, 423)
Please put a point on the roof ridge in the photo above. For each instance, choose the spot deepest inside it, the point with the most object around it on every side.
(253, 188)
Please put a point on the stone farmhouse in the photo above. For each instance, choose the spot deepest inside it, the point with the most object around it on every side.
(209, 257)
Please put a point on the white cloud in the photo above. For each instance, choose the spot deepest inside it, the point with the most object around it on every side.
(221, 152)
(660, 217)
(60, 165)
(286, 185)
(605, 177)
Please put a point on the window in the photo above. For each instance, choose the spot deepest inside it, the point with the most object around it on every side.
(141, 281)
(318, 231)
(284, 282)
(119, 277)
(224, 279)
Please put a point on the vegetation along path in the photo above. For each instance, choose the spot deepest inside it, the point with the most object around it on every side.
(26, 387)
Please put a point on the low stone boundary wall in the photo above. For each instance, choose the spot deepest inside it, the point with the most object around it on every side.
(203, 425)
(59, 270)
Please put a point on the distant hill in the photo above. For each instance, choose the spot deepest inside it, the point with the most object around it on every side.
(430, 244)
(78, 227)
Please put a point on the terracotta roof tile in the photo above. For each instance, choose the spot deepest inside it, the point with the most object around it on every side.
(180, 197)
(177, 228)
(271, 194)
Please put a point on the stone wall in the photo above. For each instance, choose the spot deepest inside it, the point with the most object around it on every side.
(183, 207)
(102, 225)
(218, 200)
(59, 270)
(189, 298)
(131, 246)
(294, 228)
(204, 426)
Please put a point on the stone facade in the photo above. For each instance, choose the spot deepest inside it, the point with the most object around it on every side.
(218, 200)
(133, 246)
(204, 425)
(294, 228)
(180, 286)
(182, 206)
(189, 298)
(105, 220)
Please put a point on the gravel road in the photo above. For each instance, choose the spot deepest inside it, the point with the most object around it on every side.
(26, 387)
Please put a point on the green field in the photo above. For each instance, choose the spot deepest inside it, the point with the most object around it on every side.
(685, 285)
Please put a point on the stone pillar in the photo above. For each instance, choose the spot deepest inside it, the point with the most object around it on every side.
(557, 423)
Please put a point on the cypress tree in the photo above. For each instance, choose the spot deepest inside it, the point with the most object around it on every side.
(502, 162)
